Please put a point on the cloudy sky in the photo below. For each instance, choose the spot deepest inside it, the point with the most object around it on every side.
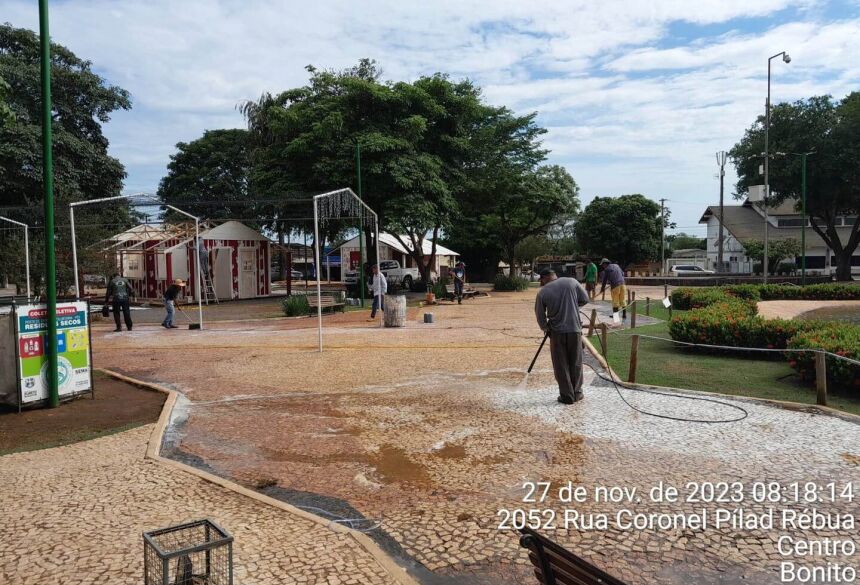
(637, 96)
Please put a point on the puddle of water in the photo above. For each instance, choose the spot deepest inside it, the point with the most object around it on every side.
(394, 465)
(450, 451)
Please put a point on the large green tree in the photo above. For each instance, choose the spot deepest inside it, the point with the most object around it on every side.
(625, 229)
(431, 153)
(208, 177)
(829, 128)
(7, 116)
(526, 204)
(82, 102)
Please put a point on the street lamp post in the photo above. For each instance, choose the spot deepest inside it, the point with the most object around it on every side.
(786, 59)
(803, 156)
(722, 156)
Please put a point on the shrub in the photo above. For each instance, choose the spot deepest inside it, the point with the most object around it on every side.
(733, 323)
(509, 283)
(296, 305)
(833, 337)
(786, 268)
(438, 287)
(681, 297)
(748, 292)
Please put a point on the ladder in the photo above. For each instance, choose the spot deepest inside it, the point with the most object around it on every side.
(208, 289)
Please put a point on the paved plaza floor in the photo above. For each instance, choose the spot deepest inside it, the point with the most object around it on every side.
(431, 433)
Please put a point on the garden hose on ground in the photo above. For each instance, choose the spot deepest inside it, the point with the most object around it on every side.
(744, 413)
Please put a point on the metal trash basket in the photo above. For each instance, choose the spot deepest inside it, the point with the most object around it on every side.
(196, 553)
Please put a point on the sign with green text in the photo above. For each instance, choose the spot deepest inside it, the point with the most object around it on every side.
(74, 370)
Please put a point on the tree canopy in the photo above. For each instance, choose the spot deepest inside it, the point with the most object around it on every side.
(684, 241)
(82, 102)
(625, 229)
(432, 155)
(831, 131)
(208, 177)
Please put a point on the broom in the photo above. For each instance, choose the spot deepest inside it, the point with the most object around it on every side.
(191, 324)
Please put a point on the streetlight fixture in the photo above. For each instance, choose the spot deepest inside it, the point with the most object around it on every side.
(786, 59)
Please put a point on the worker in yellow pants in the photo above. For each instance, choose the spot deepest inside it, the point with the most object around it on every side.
(614, 276)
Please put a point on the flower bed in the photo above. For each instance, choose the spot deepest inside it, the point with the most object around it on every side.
(728, 316)
(835, 338)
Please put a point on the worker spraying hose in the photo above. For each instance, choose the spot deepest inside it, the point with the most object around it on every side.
(557, 312)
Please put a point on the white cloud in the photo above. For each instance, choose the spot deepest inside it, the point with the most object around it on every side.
(626, 110)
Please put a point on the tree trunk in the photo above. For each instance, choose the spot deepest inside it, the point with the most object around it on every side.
(843, 266)
(283, 254)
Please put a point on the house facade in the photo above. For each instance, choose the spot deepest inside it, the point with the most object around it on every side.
(348, 254)
(746, 222)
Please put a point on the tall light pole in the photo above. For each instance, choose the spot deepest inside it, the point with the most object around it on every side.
(722, 156)
(803, 156)
(48, 185)
(361, 275)
(662, 238)
(786, 59)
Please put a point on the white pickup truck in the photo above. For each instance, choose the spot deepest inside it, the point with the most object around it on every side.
(394, 274)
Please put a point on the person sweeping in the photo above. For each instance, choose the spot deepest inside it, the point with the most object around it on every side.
(557, 312)
(170, 295)
(613, 275)
(459, 281)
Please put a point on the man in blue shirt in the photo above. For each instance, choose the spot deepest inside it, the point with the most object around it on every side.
(613, 275)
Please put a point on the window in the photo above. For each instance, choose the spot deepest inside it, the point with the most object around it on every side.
(791, 222)
(849, 221)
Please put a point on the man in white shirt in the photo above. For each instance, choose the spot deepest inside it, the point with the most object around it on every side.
(379, 286)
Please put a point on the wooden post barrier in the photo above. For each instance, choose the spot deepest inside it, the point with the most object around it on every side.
(634, 358)
(647, 306)
(633, 314)
(821, 377)
(665, 290)
(592, 322)
(604, 340)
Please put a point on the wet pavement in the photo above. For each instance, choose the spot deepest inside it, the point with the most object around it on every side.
(430, 432)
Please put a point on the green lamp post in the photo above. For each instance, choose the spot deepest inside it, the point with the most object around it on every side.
(48, 183)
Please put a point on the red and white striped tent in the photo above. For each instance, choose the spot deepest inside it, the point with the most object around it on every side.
(236, 257)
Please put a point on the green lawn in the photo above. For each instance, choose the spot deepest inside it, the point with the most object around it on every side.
(665, 364)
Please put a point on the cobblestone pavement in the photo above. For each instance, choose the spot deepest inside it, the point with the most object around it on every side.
(433, 430)
(75, 514)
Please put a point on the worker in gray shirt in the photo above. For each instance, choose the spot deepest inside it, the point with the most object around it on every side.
(557, 311)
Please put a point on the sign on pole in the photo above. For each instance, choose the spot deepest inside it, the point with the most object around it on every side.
(74, 368)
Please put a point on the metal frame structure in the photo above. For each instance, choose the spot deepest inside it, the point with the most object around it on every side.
(156, 202)
(317, 254)
(26, 248)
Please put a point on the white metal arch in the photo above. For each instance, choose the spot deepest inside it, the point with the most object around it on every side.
(26, 248)
(155, 201)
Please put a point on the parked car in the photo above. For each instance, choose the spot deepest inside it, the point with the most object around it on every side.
(689, 270)
(296, 275)
(396, 276)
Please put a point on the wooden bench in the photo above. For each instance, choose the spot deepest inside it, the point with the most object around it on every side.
(554, 565)
(326, 302)
(468, 292)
